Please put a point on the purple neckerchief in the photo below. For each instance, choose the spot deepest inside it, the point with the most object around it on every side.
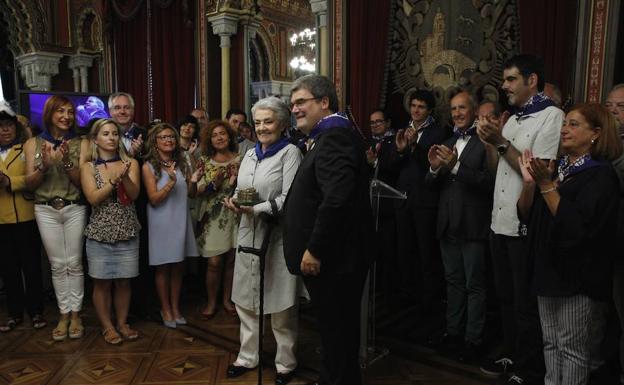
(428, 122)
(467, 132)
(45, 135)
(379, 138)
(536, 103)
(271, 150)
(339, 119)
(566, 169)
(7, 147)
(104, 161)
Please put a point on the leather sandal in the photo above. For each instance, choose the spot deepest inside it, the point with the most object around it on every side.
(127, 333)
(10, 324)
(76, 329)
(59, 333)
(111, 336)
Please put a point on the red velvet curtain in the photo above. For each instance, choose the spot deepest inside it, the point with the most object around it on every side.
(367, 41)
(172, 59)
(548, 29)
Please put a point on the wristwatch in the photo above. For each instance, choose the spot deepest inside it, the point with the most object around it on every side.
(68, 165)
(502, 148)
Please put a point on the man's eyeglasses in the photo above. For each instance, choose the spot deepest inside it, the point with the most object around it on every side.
(300, 102)
(166, 137)
(377, 122)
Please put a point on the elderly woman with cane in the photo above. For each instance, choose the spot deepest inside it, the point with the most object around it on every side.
(268, 170)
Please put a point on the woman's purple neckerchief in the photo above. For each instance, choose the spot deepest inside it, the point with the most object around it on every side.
(339, 119)
(271, 150)
(104, 161)
(470, 131)
(45, 135)
(536, 103)
(7, 147)
(566, 169)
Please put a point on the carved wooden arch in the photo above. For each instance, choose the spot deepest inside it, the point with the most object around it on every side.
(17, 18)
(266, 54)
(89, 16)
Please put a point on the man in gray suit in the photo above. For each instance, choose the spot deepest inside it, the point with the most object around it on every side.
(459, 168)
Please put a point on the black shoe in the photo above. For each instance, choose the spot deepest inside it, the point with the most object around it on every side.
(234, 371)
(498, 366)
(284, 378)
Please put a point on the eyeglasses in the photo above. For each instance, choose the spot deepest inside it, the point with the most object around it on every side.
(377, 122)
(300, 102)
(166, 137)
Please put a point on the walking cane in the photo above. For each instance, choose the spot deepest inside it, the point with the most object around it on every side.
(271, 221)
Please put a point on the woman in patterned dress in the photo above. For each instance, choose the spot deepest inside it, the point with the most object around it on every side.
(217, 228)
(111, 183)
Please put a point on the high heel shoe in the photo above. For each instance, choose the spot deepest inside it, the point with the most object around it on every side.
(171, 324)
(76, 329)
(59, 333)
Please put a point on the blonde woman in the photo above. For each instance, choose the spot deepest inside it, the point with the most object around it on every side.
(111, 183)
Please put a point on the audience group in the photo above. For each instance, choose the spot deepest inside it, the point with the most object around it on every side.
(534, 189)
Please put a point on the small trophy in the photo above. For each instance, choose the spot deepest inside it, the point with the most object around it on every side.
(247, 197)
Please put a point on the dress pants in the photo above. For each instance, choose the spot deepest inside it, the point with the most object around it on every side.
(285, 326)
(336, 299)
(521, 323)
(62, 233)
(20, 266)
(464, 267)
(566, 323)
(419, 252)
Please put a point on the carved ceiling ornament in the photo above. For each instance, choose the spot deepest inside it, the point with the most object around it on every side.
(88, 31)
(442, 45)
(17, 19)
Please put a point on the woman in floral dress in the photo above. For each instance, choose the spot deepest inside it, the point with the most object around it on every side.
(217, 227)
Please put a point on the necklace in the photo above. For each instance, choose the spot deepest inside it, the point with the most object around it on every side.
(165, 163)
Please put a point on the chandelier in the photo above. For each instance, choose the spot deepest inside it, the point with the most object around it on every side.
(304, 56)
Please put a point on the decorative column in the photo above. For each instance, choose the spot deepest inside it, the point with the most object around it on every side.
(80, 65)
(224, 25)
(319, 8)
(37, 69)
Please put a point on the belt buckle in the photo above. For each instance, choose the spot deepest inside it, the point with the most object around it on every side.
(57, 203)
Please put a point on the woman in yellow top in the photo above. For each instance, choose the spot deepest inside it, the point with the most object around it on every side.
(19, 237)
(53, 160)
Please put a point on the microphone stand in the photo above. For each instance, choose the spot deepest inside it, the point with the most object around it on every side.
(271, 221)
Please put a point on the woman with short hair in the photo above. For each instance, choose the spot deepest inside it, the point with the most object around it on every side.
(269, 168)
(571, 207)
(53, 160)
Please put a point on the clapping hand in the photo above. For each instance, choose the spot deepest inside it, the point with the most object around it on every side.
(400, 140)
(198, 174)
(524, 161)
(371, 156)
(432, 156)
(193, 147)
(136, 145)
(171, 171)
(489, 132)
(542, 171)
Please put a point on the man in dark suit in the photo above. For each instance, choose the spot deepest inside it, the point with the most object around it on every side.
(328, 224)
(459, 167)
(379, 154)
(418, 249)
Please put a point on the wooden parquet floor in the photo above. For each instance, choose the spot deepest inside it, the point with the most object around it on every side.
(197, 354)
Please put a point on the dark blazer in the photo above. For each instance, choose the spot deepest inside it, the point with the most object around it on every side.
(573, 251)
(414, 166)
(327, 210)
(465, 206)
